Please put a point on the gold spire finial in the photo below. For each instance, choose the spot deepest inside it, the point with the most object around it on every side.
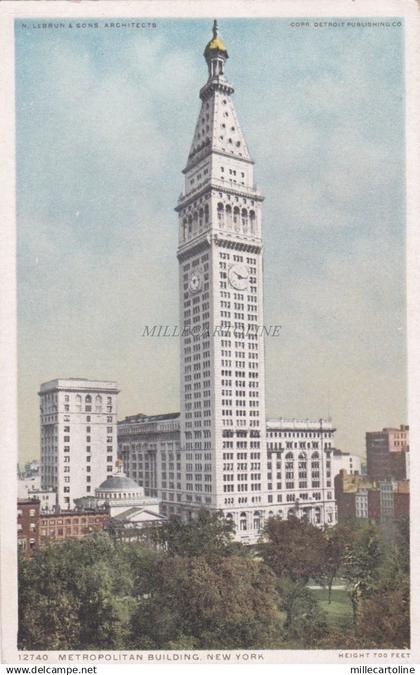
(216, 43)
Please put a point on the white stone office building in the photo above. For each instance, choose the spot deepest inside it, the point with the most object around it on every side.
(300, 478)
(149, 446)
(223, 463)
(299, 456)
(78, 436)
(215, 454)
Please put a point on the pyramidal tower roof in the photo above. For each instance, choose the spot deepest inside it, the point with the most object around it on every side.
(217, 128)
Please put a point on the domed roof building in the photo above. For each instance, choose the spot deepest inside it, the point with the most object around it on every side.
(130, 510)
(126, 502)
(119, 488)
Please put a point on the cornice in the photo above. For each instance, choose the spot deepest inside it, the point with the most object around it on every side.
(218, 188)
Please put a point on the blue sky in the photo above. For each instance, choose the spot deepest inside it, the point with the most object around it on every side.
(105, 119)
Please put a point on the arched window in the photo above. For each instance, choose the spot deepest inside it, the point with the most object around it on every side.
(257, 520)
(206, 214)
(78, 402)
(88, 398)
(242, 522)
(200, 217)
(244, 220)
(229, 217)
(88, 402)
(220, 214)
(252, 221)
(289, 463)
(315, 463)
(236, 218)
(195, 221)
(190, 225)
(302, 463)
(98, 403)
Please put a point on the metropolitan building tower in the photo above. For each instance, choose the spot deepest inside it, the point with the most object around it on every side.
(220, 452)
(221, 310)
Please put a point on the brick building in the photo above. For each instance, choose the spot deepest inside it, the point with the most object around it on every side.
(386, 453)
(71, 525)
(28, 524)
(357, 497)
(402, 499)
(360, 497)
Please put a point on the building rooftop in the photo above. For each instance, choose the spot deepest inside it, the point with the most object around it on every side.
(119, 482)
(141, 417)
(76, 384)
(299, 423)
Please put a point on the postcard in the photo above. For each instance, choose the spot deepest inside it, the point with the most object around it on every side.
(210, 260)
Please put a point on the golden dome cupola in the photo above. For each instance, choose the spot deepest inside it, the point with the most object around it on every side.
(215, 54)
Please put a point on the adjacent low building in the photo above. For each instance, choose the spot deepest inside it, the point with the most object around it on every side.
(125, 502)
(300, 469)
(299, 459)
(361, 497)
(26, 485)
(28, 533)
(357, 497)
(71, 525)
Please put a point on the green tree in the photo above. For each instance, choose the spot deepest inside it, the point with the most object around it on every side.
(202, 602)
(209, 533)
(309, 623)
(295, 551)
(73, 595)
(332, 560)
(361, 558)
(384, 617)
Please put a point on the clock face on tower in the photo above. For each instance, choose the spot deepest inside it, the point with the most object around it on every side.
(238, 276)
(195, 282)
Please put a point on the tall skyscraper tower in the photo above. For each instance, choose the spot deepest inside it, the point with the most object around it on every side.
(223, 424)
(78, 436)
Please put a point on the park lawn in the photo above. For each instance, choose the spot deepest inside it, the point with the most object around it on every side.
(339, 610)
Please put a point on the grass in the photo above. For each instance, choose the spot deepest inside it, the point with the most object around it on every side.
(339, 611)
